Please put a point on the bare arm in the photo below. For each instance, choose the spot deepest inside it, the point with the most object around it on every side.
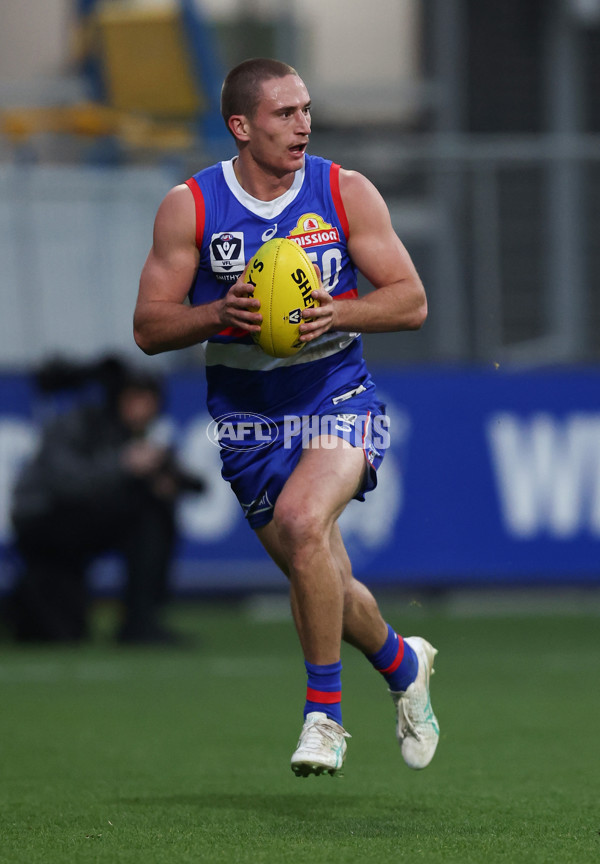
(162, 319)
(399, 301)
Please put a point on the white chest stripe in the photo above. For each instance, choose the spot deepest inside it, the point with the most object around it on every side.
(254, 359)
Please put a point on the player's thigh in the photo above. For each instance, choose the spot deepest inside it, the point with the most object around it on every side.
(328, 475)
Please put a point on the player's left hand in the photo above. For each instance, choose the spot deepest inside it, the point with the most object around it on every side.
(319, 319)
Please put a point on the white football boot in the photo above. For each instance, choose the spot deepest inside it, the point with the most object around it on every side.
(417, 727)
(321, 748)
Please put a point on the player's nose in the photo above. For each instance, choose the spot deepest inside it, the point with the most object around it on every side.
(303, 124)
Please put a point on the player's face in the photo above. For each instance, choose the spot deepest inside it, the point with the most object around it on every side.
(278, 132)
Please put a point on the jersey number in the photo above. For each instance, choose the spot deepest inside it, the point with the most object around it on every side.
(331, 266)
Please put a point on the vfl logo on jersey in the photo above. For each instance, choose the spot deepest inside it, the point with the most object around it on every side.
(312, 230)
(227, 255)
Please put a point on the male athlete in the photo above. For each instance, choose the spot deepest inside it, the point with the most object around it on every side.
(293, 491)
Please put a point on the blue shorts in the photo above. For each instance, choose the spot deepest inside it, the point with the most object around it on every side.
(259, 454)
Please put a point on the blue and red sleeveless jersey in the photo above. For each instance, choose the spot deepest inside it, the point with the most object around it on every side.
(230, 226)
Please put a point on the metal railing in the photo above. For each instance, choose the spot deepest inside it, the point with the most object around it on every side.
(500, 228)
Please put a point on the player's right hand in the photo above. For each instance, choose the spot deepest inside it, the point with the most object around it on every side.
(240, 309)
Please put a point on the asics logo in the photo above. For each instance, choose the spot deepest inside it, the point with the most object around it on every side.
(270, 232)
(339, 754)
(430, 716)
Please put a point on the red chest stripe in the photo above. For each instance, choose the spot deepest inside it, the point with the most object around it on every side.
(233, 331)
(199, 202)
(334, 180)
(347, 295)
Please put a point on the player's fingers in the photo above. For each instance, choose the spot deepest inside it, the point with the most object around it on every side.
(314, 324)
(249, 326)
(309, 335)
(320, 322)
(322, 297)
(240, 296)
(324, 311)
(241, 289)
(248, 320)
(251, 304)
(241, 312)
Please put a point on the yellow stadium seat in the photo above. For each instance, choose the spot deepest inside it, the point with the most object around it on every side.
(145, 61)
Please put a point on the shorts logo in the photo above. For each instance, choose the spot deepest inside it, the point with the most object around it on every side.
(345, 422)
(259, 505)
(312, 230)
(227, 255)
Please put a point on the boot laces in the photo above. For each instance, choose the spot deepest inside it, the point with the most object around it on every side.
(323, 731)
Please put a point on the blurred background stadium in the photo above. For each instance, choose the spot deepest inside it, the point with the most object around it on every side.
(479, 123)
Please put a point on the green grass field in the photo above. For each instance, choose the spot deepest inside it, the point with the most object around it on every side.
(130, 755)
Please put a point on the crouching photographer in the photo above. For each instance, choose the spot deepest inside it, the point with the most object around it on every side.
(97, 483)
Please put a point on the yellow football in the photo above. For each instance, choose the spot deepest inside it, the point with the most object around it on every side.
(284, 278)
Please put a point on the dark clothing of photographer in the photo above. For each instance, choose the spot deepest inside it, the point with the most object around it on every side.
(96, 484)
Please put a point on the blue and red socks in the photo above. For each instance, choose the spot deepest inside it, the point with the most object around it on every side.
(396, 661)
(324, 690)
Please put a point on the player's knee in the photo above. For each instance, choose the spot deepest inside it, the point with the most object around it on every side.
(298, 524)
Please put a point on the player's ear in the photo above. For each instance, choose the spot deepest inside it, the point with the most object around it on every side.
(239, 126)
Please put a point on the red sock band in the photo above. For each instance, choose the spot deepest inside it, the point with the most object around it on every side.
(323, 697)
(397, 660)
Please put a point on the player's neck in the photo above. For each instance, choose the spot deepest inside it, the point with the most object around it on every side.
(259, 182)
